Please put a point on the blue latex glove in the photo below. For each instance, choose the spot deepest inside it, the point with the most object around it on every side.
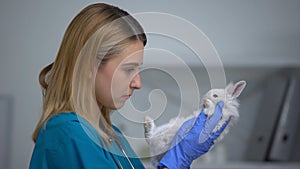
(192, 141)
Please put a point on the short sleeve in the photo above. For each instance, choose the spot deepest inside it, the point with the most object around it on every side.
(78, 154)
(66, 145)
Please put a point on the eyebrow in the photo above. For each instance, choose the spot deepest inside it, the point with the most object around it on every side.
(131, 64)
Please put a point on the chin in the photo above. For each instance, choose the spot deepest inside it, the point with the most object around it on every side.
(117, 106)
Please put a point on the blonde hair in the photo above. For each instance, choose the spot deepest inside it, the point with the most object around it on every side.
(97, 33)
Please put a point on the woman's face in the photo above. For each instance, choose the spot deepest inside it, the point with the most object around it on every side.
(119, 77)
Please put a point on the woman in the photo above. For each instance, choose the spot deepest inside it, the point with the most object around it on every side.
(96, 70)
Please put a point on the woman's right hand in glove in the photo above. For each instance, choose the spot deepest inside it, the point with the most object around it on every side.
(193, 139)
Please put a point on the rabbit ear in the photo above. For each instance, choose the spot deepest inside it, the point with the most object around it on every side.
(238, 88)
(229, 88)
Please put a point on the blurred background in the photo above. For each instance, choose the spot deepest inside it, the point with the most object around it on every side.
(257, 41)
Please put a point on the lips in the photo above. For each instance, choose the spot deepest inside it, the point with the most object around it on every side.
(126, 96)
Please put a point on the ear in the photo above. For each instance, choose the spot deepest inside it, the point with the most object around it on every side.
(238, 88)
(229, 88)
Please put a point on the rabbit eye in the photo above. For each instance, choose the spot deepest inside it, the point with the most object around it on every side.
(215, 95)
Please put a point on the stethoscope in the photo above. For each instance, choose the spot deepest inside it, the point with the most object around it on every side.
(91, 133)
(119, 165)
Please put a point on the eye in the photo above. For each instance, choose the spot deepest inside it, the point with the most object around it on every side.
(215, 95)
(129, 70)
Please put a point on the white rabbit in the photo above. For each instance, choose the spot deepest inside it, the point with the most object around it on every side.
(160, 138)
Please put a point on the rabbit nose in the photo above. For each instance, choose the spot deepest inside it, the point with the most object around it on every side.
(205, 103)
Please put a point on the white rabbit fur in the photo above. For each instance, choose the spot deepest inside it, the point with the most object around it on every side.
(160, 138)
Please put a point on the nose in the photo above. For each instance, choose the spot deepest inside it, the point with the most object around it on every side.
(136, 82)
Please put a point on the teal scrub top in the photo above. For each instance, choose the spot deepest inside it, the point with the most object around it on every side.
(68, 141)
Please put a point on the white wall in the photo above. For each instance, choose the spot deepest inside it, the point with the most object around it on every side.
(247, 33)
